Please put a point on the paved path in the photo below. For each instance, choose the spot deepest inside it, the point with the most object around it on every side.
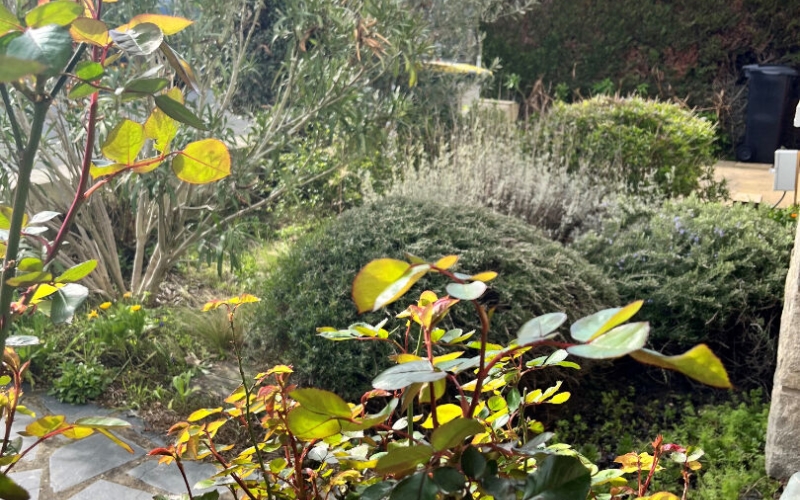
(750, 180)
(94, 468)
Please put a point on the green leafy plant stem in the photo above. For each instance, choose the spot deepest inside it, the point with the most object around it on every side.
(247, 392)
(20, 200)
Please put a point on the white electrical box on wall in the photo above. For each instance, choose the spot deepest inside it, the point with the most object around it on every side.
(785, 169)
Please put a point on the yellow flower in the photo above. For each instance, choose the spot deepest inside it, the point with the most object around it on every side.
(127, 295)
(92, 314)
(135, 308)
(105, 305)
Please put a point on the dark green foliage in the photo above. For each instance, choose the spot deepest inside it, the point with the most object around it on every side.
(679, 48)
(709, 273)
(732, 434)
(310, 286)
(639, 141)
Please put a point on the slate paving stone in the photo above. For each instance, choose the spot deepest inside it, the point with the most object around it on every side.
(111, 491)
(168, 478)
(31, 480)
(82, 460)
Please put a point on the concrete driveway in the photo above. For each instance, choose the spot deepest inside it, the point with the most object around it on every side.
(751, 182)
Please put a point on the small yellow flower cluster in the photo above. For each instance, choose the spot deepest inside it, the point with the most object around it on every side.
(93, 314)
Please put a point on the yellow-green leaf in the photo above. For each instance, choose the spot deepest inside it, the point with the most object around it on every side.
(28, 279)
(77, 272)
(169, 24)
(60, 12)
(306, 424)
(6, 214)
(589, 328)
(402, 460)
(444, 413)
(103, 423)
(124, 142)
(78, 432)
(8, 21)
(202, 162)
(484, 276)
(161, 128)
(446, 262)
(559, 398)
(322, 402)
(203, 413)
(699, 363)
(12, 68)
(91, 31)
(97, 172)
(454, 432)
(114, 439)
(42, 291)
(45, 425)
(383, 281)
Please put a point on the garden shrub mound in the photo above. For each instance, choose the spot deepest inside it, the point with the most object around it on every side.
(641, 142)
(310, 286)
(708, 272)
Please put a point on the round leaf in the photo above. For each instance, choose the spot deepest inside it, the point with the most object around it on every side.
(540, 328)
(618, 342)
(202, 162)
(473, 463)
(141, 40)
(590, 327)
(449, 480)
(405, 459)
(322, 402)
(50, 46)
(66, 300)
(124, 142)
(382, 281)
(92, 31)
(306, 424)
(401, 376)
(61, 13)
(467, 291)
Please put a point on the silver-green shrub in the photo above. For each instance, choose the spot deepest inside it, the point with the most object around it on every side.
(524, 174)
(707, 272)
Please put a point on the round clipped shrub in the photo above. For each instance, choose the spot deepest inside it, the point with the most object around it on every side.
(708, 273)
(310, 285)
(641, 142)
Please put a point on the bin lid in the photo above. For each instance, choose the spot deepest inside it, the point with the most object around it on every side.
(770, 69)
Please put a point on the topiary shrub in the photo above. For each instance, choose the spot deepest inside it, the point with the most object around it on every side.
(641, 142)
(310, 285)
(708, 272)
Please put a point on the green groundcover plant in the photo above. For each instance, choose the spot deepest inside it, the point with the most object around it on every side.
(449, 418)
